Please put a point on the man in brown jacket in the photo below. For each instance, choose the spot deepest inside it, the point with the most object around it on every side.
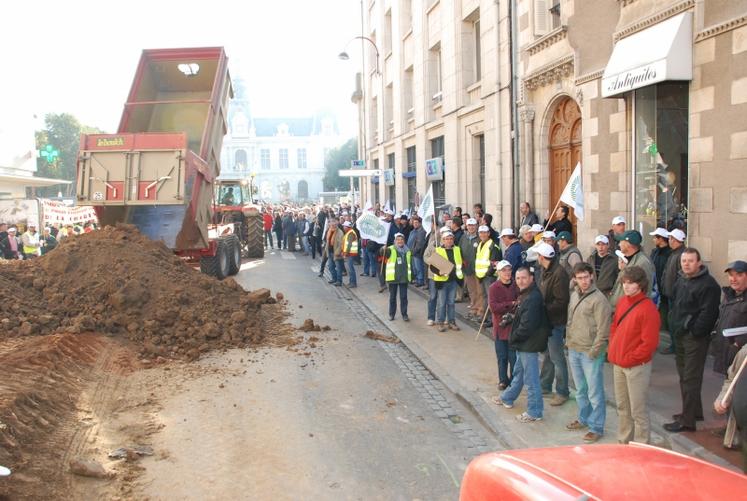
(555, 290)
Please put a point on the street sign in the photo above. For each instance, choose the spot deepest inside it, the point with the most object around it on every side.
(358, 164)
(359, 173)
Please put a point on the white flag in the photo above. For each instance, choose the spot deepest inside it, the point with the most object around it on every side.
(573, 194)
(426, 211)
(368, 206)
(372, 228)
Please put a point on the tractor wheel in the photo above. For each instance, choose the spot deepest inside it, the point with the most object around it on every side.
(255, 245)
(217, 266)
(234, 251)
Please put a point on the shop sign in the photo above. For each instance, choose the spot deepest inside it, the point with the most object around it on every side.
(434, 169)
(389, 177)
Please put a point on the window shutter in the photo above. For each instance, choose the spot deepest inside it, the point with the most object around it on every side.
(541, 17)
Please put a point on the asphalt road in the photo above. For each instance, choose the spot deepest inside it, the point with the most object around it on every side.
(353, 419)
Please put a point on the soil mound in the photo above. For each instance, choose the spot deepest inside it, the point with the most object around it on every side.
(119, 282)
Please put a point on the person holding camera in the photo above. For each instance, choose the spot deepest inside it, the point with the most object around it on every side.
(587, 331)
(502, 299)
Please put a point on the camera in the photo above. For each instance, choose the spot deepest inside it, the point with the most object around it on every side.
(507, 319)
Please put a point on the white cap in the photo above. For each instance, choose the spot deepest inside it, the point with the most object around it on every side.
(678, 235)
(472, 220)
(389, 212)
(660, 232)
(483, 228)
(12, 230)
(347, 224)
(502, 264)
(398, 235)
(618, 220)
(445, 234)
(549, 234)
(537, 228)
(507, 232)
(602, 238)
(531, 255)
(545, 250)
(445, 229)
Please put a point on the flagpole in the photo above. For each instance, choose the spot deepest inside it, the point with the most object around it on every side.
(549, 218)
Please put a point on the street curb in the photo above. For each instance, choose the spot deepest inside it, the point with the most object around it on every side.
(674, 441)
(477, 406)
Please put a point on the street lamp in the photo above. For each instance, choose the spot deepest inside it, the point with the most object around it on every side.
(359, 94)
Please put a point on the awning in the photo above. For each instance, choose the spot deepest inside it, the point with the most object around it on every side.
(30, 180)
(656, 54)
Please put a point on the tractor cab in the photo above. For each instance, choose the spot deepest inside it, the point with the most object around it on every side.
(233, 193)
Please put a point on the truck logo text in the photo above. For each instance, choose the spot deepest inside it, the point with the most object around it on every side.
(110, 141)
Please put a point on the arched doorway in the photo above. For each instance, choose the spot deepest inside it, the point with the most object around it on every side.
(565, 148)
(303, 190)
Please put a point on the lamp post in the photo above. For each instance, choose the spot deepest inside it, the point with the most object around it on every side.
(359, 96)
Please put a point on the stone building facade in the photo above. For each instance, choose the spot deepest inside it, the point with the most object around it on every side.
(286, 155)
(649, 96)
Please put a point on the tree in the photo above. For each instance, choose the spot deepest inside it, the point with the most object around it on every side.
(339, 158)
(62, 131)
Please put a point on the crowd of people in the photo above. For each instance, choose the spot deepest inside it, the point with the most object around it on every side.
(23, 241)
(553, 313)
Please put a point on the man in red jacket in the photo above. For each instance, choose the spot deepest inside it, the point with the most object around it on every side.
(267, 226)
(634, 336)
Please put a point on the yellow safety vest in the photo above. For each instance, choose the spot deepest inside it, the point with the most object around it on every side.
(482, 258)
(29, 250)
(391, 264)
(457, 263)
(350, 247)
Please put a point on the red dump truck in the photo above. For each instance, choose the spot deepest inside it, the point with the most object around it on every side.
(158, 172)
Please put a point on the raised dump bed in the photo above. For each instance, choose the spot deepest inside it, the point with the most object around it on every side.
(158, 171)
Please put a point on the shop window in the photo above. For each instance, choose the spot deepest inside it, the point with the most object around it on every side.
(660, 155)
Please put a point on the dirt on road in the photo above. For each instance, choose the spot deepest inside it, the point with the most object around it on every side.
(76, 325)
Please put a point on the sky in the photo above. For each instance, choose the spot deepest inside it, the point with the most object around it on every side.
(79, 56)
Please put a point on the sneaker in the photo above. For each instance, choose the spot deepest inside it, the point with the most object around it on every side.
(405, 318)
(502, 386)
(454, 327)
(558, 400)
(575, 425)
(499, 401)
(391, 317)
(442, 328)
(330, 281)
(526, 418)
(431, 323)
(591, 437)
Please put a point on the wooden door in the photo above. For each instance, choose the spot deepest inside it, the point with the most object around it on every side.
(565, 149)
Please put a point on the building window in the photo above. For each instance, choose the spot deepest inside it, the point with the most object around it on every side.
(264, 158)
(301, 155)
(283, 158)
(389, 111)
(471, 56)
(412, 169)
(408, 86)
(303, 190)
(555, 14)
(434, 73)
(375, 185)
(388, 32)
(661, 164)
(439, 188)
(542, 21)
(240, 162)
(481, 163)
(393, 187)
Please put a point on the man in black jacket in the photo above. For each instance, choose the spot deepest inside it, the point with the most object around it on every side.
(529, 332)
(555, 289)
(692, 315)
(604, 264)
(669, 277)
(659, 255)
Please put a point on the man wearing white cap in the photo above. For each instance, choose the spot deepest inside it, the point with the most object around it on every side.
(659, 255)
(512, 247)
(446, 284)
(350, 252)
(604, 264)
(468, 247)
(503, 299)
(555, 289)
(671, 271)
(618, 228)
(434, 239)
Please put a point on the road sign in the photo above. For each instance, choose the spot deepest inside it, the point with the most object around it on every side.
(359, 173)
(358, 164)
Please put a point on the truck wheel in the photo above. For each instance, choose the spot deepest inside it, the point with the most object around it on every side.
(217, 266)
(234, 263)
(255, 244)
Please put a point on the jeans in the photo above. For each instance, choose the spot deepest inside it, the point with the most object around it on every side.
(393, 299)
(279, 238)
(588, 374)
(372, 254)
(313, 245)
(445, 302)
(306, 245)
(324, 262)
(268, 239)
(554, 366)
(526, 371)
(352, 279)
(432, 296)
(366, 262)
(419, 268)
(334, 264)
(506, 357)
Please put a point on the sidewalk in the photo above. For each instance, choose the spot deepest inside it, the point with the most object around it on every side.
(467, 366)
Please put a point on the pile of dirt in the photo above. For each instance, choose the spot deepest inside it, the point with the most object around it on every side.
(118, 282)
(310, 326)
(380, 337)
